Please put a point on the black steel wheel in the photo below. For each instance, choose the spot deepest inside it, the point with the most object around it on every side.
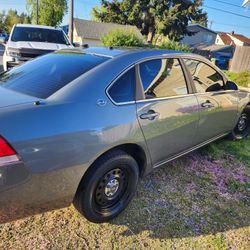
(110, 189)
(107, 187)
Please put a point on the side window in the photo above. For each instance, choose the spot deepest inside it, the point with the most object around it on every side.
(205, 78)
(163, 78)
(123, 90)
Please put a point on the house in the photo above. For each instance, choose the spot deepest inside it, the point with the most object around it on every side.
(224, 38)
(91, 32)
(201, 36)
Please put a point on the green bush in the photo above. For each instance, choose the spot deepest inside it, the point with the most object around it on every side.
(172, 45)
(121, 38)
(242, 79)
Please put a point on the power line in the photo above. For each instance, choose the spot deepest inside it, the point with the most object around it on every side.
(231, 25)
(231, 4)
(226, 11)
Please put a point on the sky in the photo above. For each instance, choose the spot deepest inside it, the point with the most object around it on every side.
(218, 20)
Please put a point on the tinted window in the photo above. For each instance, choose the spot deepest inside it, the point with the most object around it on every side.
(163, 78)
(205, 78)
(38, 35)
(123, 90)
(45, 75)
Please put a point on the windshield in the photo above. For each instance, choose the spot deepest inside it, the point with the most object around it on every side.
(28, 34)
(47, 74)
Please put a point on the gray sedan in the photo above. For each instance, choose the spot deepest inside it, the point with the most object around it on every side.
(83, 126)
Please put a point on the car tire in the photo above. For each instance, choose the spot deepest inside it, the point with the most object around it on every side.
(108, 187)
(242, 128)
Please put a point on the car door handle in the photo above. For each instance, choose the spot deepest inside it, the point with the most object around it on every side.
(207, 104)
(150, 115)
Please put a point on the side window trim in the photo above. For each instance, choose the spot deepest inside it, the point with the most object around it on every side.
(188, 77)
(191, 78)
(140, 89)
(115, 80)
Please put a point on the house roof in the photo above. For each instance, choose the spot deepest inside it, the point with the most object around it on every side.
(242, 38)
(96, 30)
(197, 27)
(227, 38)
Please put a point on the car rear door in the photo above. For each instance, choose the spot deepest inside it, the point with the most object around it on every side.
(167, 113)
(218, 107)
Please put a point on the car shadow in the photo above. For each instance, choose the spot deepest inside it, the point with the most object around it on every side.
(192, 196)
(195, 195)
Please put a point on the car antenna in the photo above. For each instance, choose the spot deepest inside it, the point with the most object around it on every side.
(37, 103)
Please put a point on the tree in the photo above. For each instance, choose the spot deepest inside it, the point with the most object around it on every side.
(2, 21)
(122, 38)
(51, 12)
(167, 17)
(12, 17)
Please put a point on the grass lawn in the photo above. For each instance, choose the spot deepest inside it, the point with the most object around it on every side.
(242, 79)
(201, 201)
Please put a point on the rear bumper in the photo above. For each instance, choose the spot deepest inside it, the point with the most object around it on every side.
(23, 194)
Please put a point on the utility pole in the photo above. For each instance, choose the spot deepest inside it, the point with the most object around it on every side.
(71, 20)
(211, 24)
(37, 11)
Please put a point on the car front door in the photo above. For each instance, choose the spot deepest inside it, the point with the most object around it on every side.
(218, 106)
(167, 114)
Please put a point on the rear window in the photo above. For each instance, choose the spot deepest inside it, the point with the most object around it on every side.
(28, 34)
(45, 75)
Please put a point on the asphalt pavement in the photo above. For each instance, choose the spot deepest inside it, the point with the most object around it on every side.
(1, 57)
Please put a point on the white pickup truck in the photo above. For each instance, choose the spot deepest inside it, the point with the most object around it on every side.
(29, 41)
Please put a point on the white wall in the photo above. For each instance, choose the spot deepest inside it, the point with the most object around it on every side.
(236, 41)
(219, 40)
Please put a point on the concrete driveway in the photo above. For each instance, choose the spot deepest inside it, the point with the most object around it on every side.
(1, 57)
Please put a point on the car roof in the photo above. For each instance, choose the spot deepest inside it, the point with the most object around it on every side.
(141, 52)
(37, 26)
(120, 59)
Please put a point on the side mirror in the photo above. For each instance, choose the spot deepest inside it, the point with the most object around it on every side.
(214, 87)
(6, 39)
(77, 45)
(231, 86)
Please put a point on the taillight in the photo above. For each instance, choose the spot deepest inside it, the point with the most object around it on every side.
(7, 154)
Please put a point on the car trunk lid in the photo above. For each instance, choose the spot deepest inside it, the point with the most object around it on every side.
(12, 98)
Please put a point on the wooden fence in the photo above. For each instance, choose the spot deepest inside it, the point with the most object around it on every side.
(241, 59)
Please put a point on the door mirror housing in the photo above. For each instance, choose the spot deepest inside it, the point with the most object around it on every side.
(6, 39)
(231, 86)
(214, 87)
(77, 45)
